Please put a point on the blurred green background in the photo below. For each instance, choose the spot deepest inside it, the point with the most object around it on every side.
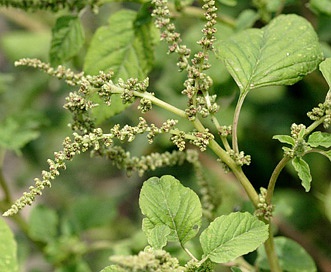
(92, 208)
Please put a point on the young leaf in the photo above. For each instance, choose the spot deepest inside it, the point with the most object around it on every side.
(43, 224)
(67, 39)
(286, 139)
(8, 258)
(325, 68)
(320, 139)
(302, 168)
(292, 257)
(157, 236)
(165, 202)
(230, 236)
(262, 57)
(132, 54)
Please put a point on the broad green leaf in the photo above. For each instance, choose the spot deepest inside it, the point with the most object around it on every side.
(8, 258)
(262, 57)
(320, 139)
(286, 139)
(164, 201)
(43, 223)
(325, 68)
(230, 236)
(321, 6)
(131, 56)
(292, 257)
(303, 170)
(67, 39)
(157, 236)
(235, 269)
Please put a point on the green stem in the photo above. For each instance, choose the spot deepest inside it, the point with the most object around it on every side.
(314, 125)
(3, 183)
(156, 101)
(237, 171)
(269, 247)
(236, 120)
(274, 177)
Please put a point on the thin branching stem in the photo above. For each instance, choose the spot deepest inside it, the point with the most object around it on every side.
(236, 120)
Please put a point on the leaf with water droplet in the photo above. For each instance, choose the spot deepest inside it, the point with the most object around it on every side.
(281, 53)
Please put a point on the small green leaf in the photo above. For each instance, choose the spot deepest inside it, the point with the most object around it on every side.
(67, 39)
(230, 236)
(246, 19)
(262, 57)
(43, 223)
(320, 139)
(8, 258)
(165, 201)
(292, 257)
(286, 139)
(303, 170)
(131, 56)
(157, 236)
(325, 68)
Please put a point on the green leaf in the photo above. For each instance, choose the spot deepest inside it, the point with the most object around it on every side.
(292, 257)
(8, 258)
(302, 168)
(131, 56)
(320, 139)
(321, 6)
(230, 236)
(164, 201)
(325, 68)
(246, 19)
(262, 57)
(157, 236)
(43, 223)
(67, 39)
(286, 139)
(17, 131)
(235, 269)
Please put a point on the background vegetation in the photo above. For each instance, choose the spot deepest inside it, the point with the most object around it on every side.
(92, 209)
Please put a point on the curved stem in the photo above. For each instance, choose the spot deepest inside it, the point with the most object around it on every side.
(314, 125)
(236, 120)
(274, 177)
(237, 171)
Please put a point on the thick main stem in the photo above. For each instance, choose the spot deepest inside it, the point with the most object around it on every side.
(270, 250)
